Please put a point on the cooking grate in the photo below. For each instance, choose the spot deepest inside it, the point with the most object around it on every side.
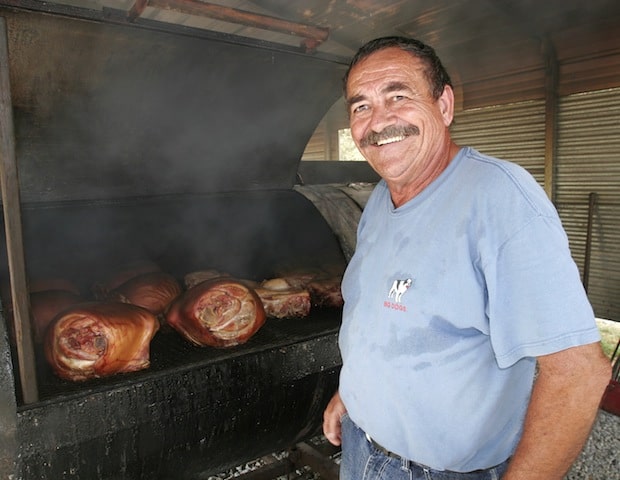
(170, 352)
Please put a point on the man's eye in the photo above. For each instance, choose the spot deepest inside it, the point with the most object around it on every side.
(398, 98)
(359, 108)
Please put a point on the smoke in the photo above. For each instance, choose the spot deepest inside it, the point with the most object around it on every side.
(131, 112)
(130, 150)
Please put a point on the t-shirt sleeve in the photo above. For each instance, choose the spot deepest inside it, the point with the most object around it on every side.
(536, 302)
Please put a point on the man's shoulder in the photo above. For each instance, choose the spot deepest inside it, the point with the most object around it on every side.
(507, 178)
(494, 165)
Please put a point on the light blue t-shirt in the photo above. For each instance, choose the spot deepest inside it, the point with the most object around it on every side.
(448, 300)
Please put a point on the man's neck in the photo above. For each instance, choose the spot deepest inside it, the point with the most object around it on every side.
(401, 194)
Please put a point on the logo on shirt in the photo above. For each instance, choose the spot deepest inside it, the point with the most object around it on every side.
(399, 287)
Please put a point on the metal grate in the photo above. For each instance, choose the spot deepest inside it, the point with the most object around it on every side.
(315, 459)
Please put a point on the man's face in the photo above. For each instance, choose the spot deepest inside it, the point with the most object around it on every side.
(395, 122)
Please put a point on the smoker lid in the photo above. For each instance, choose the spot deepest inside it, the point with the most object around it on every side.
(108, 111)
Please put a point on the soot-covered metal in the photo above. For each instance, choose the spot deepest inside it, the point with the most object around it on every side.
(111, 111)
(138, 145)
(195, 409)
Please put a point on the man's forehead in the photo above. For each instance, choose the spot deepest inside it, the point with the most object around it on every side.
(385, 67)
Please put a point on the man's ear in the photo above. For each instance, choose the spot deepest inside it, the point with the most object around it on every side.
(446, 105)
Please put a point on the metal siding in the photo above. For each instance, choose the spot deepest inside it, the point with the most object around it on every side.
(588, 161)
(514, 132)
(323, 145)
(316, 146)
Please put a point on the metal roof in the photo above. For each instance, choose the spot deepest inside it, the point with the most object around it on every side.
(480, 41)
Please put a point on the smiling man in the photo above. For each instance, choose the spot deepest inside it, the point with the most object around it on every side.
(398, 123)
(462, 286)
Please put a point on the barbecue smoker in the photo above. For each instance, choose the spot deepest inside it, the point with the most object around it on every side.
(136, 144)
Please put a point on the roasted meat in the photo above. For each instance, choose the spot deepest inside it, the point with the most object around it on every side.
(281, 300)
(42, 284)
(194, 278)
(154, 291)
(221, 312)
(325, 292)
(322, 284)
(45, 305)
(99, 339)
(122, 274)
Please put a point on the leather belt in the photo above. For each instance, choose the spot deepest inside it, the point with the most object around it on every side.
(390, 454)
(382, 449)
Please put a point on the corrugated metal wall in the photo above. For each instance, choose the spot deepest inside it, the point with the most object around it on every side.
(323, 145)
(318, 145)
(589, 161)
(514, 132)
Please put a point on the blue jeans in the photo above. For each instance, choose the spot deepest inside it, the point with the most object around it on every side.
(360, 460)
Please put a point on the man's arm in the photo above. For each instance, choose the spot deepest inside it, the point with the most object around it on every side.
(331, 419)
(562, 410)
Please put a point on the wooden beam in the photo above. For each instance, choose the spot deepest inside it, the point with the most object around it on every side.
(551, 114)
(592, 203)
(520, 18)
(13, 228)
(136, 10)
(313, 36)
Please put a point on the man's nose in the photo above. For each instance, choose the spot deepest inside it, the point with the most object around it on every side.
(382, 116)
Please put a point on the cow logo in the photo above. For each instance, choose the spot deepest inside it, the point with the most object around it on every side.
(399, 287)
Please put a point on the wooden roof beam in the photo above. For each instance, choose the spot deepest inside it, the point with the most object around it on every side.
(313, 36)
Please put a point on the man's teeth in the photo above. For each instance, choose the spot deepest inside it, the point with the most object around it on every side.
(385, 141)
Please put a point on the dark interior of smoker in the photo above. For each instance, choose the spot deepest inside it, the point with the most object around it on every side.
(134, 144)
(249, 235)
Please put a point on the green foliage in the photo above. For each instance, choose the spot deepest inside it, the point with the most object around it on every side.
(610, 333)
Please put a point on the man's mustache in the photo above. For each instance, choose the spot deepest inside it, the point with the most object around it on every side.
(391, 131)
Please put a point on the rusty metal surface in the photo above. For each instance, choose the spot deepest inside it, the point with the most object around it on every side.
(483, 43)
(312, 35)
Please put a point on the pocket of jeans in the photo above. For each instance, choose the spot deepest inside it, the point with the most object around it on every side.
(344, 417)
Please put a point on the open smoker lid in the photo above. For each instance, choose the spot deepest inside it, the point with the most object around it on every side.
(104, 110)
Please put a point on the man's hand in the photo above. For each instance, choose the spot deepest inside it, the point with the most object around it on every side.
(331, 420)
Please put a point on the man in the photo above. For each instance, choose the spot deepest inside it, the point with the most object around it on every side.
(461, 291)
